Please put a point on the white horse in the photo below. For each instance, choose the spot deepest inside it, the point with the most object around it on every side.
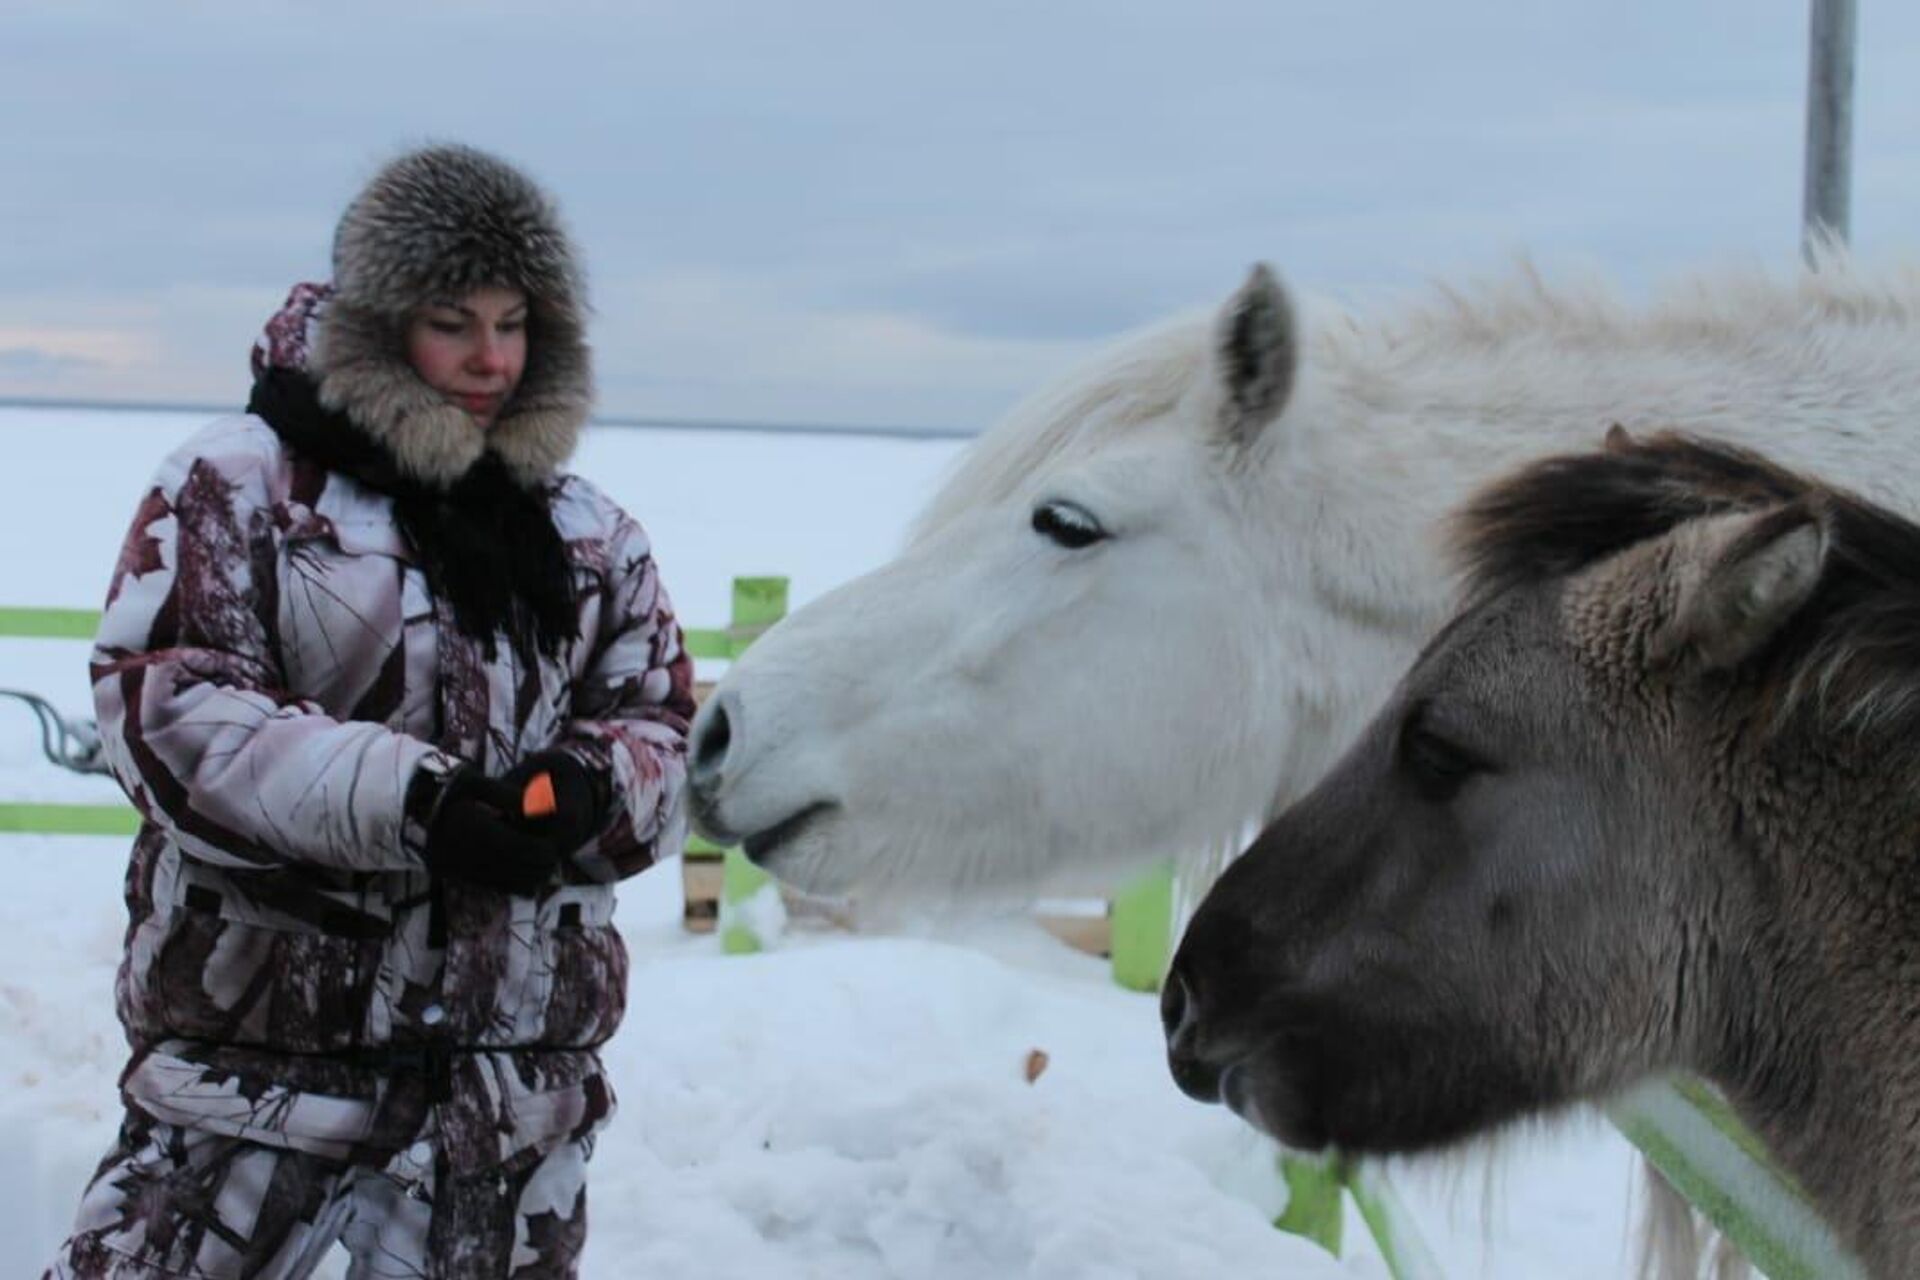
(1153, 604)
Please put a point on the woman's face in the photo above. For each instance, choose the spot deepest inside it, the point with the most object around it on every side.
(472, 350)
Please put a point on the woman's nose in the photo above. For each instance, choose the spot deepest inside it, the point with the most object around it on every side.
(489, 355)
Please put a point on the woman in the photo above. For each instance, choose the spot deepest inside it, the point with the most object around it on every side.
(365, 978)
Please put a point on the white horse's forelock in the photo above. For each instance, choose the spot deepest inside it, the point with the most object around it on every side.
(1127, 388)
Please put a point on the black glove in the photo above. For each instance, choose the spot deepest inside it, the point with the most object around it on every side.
(475, 832)
(580, 798)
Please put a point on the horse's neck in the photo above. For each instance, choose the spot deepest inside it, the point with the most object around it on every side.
(1393, 435)
(1840, 1112)
(1824, 1058)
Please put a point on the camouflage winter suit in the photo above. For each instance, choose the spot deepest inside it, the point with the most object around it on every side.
(323, 1034)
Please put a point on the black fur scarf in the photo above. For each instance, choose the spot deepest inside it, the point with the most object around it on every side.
(487, 545)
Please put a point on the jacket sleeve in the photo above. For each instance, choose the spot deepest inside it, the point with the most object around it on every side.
(196, 720)
(632, 707)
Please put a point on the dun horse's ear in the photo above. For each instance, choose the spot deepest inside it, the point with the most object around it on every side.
(1257, 351)
(1740, 578)
(1617, 441)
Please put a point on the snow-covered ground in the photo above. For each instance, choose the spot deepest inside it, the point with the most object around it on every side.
(841, 1106)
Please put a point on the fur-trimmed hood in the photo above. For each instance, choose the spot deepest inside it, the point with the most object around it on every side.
(436, 224)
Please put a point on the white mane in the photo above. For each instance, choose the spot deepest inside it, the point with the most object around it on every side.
(1719, 307)
(1139, 380)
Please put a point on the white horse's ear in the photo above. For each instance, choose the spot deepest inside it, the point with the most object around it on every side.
(1256, 353)
(1740, 578)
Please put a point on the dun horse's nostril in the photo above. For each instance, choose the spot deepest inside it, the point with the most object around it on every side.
(1197, 1077)
(714, 736)
(1173, 1008)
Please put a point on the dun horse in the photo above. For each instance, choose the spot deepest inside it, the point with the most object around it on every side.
(1651, 801)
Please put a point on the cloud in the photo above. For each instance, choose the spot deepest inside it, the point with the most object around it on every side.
(904, 210)
(37, 364)
(72, 359)
(739, 346)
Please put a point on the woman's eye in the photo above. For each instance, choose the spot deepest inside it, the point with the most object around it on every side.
(1437, 765)
(1067, 523)
(452, 328)
(512, 326)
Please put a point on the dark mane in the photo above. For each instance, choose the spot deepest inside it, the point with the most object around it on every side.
(1854, 649)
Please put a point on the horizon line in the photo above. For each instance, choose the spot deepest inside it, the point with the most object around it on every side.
(621, 421)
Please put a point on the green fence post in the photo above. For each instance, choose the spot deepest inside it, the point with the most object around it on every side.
(1317, 1188)
(740, 882)
(1316, 1204)
(1143, 929)
(758, 603)
(1389, 1223)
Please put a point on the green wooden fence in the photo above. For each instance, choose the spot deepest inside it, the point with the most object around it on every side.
(1682, 1126)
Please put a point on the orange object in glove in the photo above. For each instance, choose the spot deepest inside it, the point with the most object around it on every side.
(537, 801)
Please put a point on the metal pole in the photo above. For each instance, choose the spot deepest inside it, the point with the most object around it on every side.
(1824, 212)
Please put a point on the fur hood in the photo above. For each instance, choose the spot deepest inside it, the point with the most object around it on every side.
(436, 224)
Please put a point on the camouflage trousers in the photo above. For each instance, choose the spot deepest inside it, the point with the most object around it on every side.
(171, 1201)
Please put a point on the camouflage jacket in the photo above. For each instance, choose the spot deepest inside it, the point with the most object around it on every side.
(270, 673)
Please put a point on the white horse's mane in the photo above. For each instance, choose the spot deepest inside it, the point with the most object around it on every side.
(1139, 379)
(1725, 306)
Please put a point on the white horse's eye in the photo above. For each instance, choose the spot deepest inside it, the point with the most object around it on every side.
(1067, 523)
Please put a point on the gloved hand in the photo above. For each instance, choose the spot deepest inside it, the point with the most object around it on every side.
(581, 796)
(475, 833)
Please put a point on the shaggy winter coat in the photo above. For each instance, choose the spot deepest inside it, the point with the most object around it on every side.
(270, 673)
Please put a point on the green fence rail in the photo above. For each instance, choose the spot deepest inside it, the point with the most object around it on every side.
(1687, 1131)
(50, 624)
(69, 819)
(81, 624)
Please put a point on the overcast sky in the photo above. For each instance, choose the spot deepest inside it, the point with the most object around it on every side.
(893, 213)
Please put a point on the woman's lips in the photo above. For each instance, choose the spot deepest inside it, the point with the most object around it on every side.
(478, 403)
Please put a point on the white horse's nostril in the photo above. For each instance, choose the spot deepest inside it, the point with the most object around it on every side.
(712, 738)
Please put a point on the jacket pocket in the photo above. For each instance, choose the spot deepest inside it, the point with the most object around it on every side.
(577, 987)
(270, 965)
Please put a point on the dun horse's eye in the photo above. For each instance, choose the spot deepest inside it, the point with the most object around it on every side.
(1067, 523)
(1437, 765)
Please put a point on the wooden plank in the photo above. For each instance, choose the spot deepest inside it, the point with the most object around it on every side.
(702, 879)
(1091, 934)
